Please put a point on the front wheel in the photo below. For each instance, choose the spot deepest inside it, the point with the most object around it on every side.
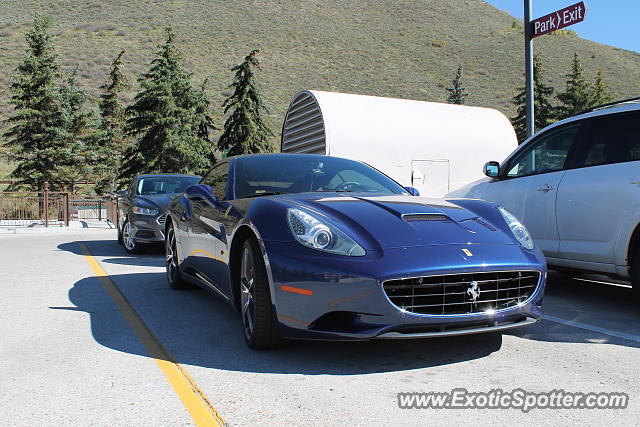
(130, 244)
(258, 323)
(171, 261)
(635, 275)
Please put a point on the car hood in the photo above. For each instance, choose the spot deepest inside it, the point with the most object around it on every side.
(404, 221)
(159, 201)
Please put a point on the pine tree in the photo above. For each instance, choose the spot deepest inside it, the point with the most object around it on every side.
(601, 94)
(457, 93)
(110, 141)
(578, 95)
(245, 131)
(74, 159)
(169, 119)
(544, 112)
(39, 122)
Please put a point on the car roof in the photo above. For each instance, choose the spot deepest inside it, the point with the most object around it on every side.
(290, 155)
(623, 107)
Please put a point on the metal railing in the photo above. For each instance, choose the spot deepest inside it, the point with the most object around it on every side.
(45, 207)
(28, 209)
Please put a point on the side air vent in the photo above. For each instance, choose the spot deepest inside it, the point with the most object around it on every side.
(424, 217)
(303, 130)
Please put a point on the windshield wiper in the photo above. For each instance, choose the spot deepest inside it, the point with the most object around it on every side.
(266, 193)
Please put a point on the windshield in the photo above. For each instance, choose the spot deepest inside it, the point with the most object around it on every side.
(151, 185)
(262, 175)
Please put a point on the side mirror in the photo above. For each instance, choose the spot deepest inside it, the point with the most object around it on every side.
(412, 191)
(491, 169)
(200, 192)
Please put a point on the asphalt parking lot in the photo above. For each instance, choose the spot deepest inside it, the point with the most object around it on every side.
(69, 354)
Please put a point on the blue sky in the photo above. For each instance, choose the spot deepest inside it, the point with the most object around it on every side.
(612, 22)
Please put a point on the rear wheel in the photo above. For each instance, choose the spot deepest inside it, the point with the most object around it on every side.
(635, 274)
(129, 242)
(171, 261)
(258, 323)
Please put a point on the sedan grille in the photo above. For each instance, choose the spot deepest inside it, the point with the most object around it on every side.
(162, 219)
(462, 293)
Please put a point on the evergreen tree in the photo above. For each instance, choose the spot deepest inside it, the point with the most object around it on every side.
(578, 95)
(39, 122)
(457, 93)
(74, 159)
(544, 112)
(169, 119)
(110, 142)
(601, 94)
(245, 131)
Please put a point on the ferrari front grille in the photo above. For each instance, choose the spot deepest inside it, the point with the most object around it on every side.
(462, 293)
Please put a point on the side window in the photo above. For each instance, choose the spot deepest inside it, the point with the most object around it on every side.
(613, 140)
(547, 154)
(217, 179)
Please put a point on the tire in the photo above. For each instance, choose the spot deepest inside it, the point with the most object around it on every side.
(258, 323)
(174, 278)
(119, 234)
(129, 243)
(635, 275)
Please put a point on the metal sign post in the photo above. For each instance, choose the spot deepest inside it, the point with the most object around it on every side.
(554, 21)
(528, 60)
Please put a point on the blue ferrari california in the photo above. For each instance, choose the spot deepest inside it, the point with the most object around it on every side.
(317, 247)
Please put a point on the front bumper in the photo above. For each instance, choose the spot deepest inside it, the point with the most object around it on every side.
(332, 297)
(147, 228)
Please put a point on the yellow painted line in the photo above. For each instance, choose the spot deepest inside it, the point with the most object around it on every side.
(199, 407)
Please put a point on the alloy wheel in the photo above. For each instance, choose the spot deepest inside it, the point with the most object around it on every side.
(247, 279)
(171, 255)
(127, 239)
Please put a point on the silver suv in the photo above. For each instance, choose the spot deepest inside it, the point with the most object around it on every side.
(576, 186)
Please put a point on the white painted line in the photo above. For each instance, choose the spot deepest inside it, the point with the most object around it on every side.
(621, 285)
(591, 328)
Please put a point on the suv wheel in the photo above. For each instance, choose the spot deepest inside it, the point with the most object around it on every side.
(635, 274)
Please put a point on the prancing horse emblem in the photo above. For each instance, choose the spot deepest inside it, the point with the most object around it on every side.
(473, 291)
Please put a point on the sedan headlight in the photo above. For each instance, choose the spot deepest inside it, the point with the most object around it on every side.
(139, 210)
(316, 233)
(519, 231)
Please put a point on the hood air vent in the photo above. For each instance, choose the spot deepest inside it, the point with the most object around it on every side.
(425, 217)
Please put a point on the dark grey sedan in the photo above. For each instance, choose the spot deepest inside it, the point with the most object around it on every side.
(143, 207)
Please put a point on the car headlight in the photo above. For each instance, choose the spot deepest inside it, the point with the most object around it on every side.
(315, 233)
(519, 231)
(139, 210)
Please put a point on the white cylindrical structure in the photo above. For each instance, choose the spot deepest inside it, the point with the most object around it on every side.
(433, 147)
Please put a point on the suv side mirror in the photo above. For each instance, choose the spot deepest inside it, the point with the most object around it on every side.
(491, 169)
(412, 191)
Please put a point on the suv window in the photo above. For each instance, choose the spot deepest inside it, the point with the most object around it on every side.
(546, 154)
(217, 179)
(613, 139)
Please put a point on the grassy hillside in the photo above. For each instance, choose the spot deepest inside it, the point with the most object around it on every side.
(399, 48)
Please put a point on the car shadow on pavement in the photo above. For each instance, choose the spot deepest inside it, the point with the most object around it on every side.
(594, 304)
(109, 248)
(198, 329)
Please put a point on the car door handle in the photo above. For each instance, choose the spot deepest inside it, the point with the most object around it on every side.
(546, 188)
